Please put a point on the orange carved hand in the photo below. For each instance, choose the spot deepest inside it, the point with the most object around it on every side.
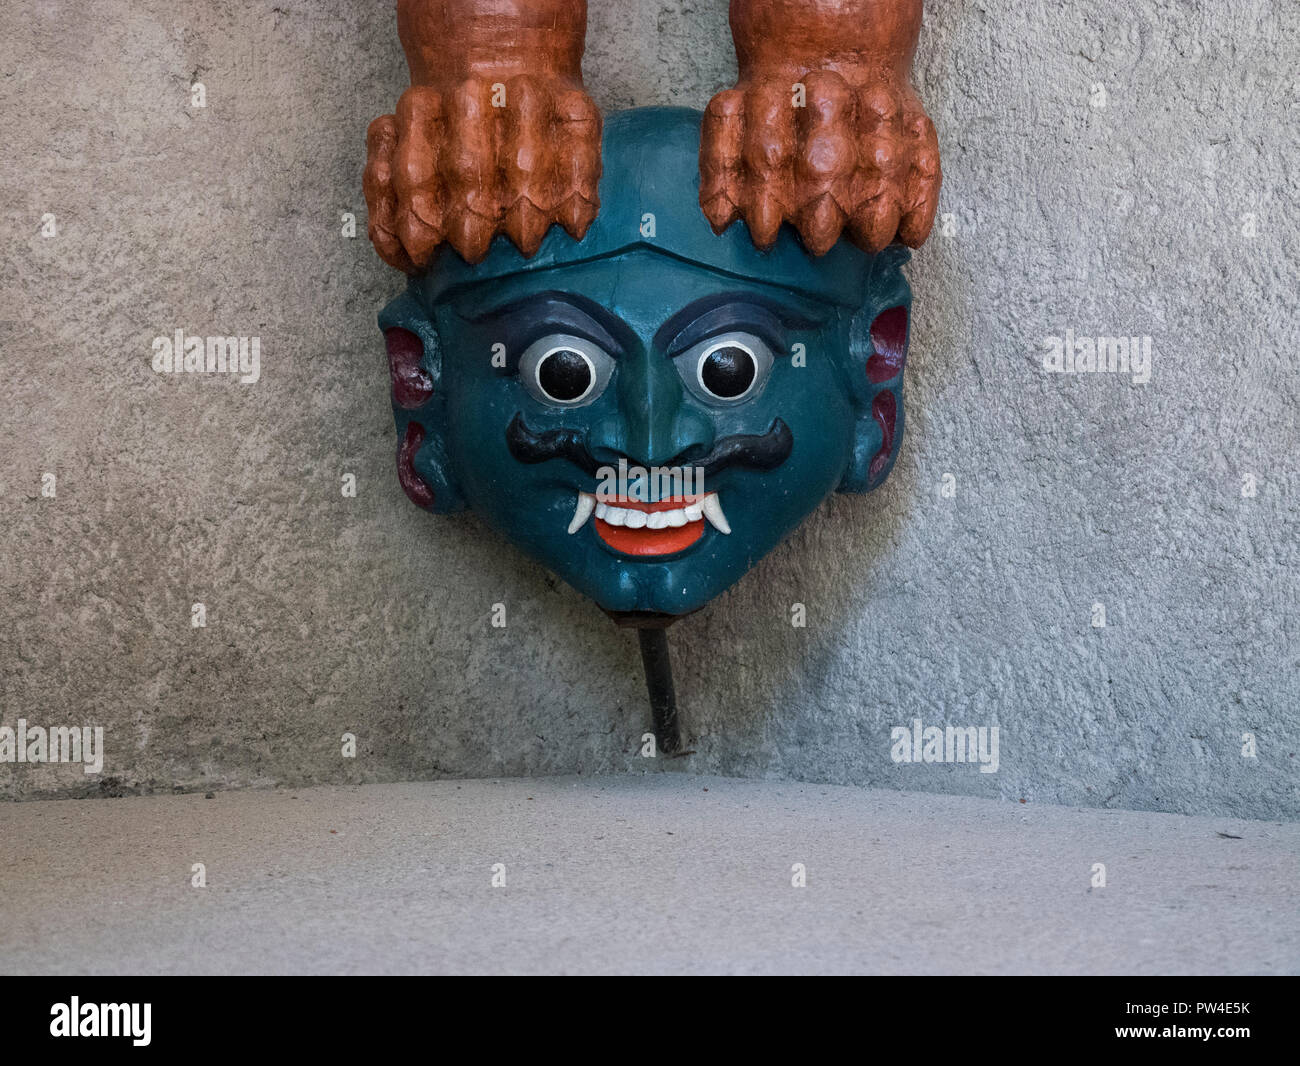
(495, 134)
(823, 129)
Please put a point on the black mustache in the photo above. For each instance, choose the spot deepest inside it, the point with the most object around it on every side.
(758, 451)
(530, 447)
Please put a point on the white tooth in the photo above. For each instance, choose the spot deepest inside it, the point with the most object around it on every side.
(602, 509)
(636, 519)
(694, 512)
(713, 512)
(586, 504)
(656, 520)
(676, 518)
(615, 516)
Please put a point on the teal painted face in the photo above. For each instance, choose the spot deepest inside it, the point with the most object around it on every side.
(649, 411)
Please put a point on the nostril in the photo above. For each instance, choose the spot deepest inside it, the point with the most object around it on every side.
(688, 456)
(644, 447)
(889, 338)
(693, 438)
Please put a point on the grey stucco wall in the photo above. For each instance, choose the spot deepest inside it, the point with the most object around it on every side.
(1111, 168)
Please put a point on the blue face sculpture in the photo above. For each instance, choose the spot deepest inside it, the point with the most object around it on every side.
(650, 410)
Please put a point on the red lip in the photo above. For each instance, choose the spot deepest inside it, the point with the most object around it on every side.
(645, 542)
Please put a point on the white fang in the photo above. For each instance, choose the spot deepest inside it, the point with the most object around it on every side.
(713, 512)
(586, 504)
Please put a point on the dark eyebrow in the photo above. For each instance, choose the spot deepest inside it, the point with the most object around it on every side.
(722, 311)
(580, 316)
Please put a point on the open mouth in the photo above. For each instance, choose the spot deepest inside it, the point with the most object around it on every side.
(661, 528)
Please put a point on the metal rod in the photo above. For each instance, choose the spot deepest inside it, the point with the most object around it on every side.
(659, 683)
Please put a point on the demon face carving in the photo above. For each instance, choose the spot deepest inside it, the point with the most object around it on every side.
(645, 348)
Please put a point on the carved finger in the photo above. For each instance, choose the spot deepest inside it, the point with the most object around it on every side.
(826, 160)
(468, 167)
(768, 154)
(381, 200)
(721, 143)
(527, 163)
(415, 172)
(882, 161)
(920, 200)
(875, 222)
(578, 149)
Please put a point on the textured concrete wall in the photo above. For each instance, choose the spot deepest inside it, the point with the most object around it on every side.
(1113, 168)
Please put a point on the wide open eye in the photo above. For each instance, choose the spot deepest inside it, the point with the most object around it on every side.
(726, 369)
(565, 371)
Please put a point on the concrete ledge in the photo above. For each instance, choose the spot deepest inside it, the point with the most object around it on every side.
(664, 873)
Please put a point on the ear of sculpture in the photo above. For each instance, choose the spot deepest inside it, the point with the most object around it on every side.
(495, 134)
(419, 406)
(823, 128)
(878, 339)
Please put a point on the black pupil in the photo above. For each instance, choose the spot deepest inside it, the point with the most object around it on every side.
(728, 372)
(564, 375)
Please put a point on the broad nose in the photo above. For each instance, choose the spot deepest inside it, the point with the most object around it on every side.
(653, 427)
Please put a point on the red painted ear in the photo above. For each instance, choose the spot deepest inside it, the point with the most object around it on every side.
(884, 409)
(889, 338)
(412, 385)
(415, 486)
